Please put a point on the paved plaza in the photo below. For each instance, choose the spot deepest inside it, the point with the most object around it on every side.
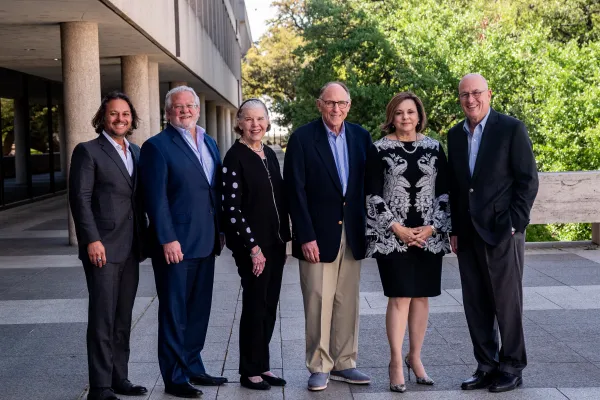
(43, 310)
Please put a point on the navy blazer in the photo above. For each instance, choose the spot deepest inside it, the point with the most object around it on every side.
(180, 203)
(316, 203)
(504, 184)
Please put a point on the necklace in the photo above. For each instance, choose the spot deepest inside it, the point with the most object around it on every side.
(404, 148)
(262, 146)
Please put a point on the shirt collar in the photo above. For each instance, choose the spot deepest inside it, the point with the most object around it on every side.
(482, 123)
(331, 133)
(115, 144)
(199, 132)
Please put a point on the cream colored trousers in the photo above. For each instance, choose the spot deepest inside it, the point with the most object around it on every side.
(331, 309)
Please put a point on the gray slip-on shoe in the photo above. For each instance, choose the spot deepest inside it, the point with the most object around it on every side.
(351, 375)
(318, 381)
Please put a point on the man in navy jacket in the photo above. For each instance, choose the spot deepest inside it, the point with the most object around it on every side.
(324, 173)
(181, 174)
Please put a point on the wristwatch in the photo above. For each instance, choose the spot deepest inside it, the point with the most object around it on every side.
(433, 230)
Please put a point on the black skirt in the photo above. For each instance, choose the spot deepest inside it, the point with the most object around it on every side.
(415, 273)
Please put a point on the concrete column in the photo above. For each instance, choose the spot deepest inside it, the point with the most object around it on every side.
(154, 96)
(20, 127)
(174, 84)
(81, 86)
(202, 119)
(134, 79)
(596, 233)
(228, 128)
(222, 130)
(211, 120)
(234, 135)
(62, 138)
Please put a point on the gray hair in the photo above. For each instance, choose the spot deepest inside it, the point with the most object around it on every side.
(251, 103)
(174, 91)
(341, 84)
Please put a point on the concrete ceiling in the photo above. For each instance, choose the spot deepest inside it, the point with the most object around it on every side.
(30, 42)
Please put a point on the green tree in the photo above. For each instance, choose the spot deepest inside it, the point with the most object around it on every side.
(541, 58)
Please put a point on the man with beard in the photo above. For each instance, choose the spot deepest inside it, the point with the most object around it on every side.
(104, 197)
(181, 173)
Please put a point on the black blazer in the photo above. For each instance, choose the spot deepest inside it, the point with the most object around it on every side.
(253, 200)
(105, 201)
(500, 194)
(317, 206)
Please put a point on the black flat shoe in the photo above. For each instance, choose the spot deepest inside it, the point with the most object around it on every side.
(505, 383)
(479, 380)
(186, 391)
(126, 388)
(247, 383)
(207, 380)
(273, 380)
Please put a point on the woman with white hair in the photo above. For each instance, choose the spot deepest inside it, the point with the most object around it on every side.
(257, 229)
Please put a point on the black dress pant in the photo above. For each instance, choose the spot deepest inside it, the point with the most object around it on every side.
(259, 308)
(112, 290)
(492, 287)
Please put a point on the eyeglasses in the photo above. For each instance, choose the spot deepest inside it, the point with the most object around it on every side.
(475, 93)
(181, 107)
(331, 104)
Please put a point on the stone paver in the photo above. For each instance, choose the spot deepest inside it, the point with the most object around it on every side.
(43, 309)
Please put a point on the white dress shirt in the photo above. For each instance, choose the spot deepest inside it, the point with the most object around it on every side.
(125, 156)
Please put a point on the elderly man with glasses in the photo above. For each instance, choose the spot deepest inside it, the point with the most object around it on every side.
(493, 183)
(324, 175)
(181, 175)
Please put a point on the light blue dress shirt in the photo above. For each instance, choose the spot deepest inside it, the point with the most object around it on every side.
(127, 159)
(200, 149)
(474, 139)
(339, 148)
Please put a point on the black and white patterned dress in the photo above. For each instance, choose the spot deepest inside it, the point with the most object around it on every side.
(407, 184)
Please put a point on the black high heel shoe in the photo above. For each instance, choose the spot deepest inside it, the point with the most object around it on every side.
(421, 381)
(400, 388)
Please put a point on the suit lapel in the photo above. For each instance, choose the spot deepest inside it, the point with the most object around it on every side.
(324, 150)
(352, 155)
(215, 157)
(110, 150)
(462, 146)
(180, 142)
(487, 147)
(135, 155)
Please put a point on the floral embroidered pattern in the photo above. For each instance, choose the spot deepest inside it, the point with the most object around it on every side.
(410, 194)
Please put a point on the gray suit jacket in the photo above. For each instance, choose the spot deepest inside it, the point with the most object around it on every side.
(105, 201)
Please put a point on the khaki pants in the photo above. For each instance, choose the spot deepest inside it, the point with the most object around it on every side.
(331, 307)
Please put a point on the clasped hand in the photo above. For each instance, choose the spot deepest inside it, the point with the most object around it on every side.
(412, 236)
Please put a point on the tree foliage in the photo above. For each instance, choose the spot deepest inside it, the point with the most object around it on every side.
(541, 59)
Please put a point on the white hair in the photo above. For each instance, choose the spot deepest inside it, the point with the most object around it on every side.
(174, 91)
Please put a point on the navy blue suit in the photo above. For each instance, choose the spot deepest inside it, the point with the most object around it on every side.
(317, 203)
(182, 206)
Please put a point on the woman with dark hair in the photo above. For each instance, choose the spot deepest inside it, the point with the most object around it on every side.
(257, 229)
(408, 220)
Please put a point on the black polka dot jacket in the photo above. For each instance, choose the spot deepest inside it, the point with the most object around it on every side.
(255, 212)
